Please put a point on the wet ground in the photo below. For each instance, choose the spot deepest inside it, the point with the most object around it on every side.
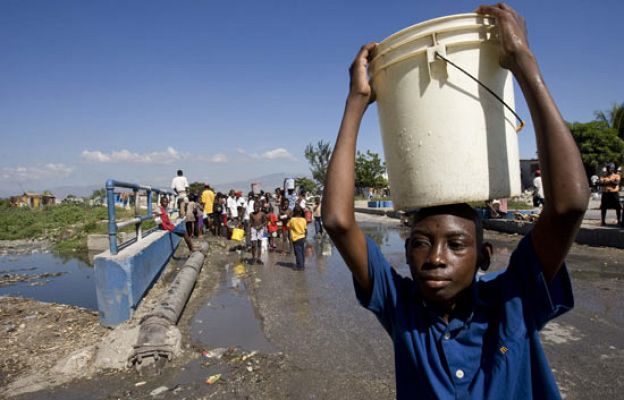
(313, 341)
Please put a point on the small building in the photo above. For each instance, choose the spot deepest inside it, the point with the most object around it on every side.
(32, 200)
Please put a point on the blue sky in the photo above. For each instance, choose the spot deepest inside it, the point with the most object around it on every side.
(134, 90)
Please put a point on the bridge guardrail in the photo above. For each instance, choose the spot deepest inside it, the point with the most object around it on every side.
(114, 226)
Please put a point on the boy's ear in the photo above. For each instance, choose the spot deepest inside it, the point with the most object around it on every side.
(407, 249)
(485, 255)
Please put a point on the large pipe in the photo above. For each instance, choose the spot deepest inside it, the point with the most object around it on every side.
(158, 335)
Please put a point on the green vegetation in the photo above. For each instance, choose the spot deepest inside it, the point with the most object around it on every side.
(196, 187)
(369, 170)
(306, 184)
(67, 225)
(319, 160)
(614, 118)
(598, 143)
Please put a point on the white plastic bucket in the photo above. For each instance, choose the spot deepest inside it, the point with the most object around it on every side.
(446, 140)
(289, 183)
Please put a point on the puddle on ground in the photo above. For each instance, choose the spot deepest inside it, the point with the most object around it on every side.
(50, 278)
(228, 319)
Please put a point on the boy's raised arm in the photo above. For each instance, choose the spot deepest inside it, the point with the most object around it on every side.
(337, 208)
(563, 176)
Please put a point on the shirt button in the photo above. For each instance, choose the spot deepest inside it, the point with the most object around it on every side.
(459, 374)
(447, 336)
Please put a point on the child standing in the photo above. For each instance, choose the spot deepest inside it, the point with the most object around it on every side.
(191, 215)
(272, 228)
(258, 221)
(298, 228)
(284, 217)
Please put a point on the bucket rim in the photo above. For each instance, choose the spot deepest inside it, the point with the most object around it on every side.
(385, 44)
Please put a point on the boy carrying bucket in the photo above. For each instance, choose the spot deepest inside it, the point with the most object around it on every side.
(456, 336)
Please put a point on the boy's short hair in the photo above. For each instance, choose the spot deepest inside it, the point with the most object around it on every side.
(298, 211)
(180, 173)
(462, 210)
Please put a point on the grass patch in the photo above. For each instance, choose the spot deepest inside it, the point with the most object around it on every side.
(65, 224)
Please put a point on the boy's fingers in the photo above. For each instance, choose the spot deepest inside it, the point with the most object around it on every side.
(365, 51)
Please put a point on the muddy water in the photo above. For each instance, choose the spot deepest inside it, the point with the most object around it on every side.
(50, 278)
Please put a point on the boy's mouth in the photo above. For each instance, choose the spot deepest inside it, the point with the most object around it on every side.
(435, 283)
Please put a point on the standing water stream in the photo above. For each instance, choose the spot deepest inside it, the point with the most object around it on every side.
(48, 277)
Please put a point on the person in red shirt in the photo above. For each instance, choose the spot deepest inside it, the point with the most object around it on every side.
(272, 229)
(167, 225)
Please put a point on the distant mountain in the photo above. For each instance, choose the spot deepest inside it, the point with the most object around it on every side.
(267, 182)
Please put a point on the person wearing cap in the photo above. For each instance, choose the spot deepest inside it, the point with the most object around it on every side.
(538, 194)
(610, 199)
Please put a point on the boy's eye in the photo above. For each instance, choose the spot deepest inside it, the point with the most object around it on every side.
(456, 245)
(419, 242)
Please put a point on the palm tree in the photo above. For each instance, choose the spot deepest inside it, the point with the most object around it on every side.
(614, 118)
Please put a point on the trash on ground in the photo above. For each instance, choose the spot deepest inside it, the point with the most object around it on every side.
(213, 379)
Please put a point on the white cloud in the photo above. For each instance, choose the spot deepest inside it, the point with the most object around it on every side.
(278, 153)
(35, 172)
(274, 154)
(96, 155)
(218, 158)
(168, 156)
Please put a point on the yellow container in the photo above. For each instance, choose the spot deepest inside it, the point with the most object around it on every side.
(238, 234)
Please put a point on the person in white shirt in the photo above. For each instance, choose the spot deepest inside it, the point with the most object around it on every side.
(231, 207)
(180, 186)
(538, 196)
(249, 208)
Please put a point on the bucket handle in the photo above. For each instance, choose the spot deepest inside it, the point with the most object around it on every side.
(520, 120)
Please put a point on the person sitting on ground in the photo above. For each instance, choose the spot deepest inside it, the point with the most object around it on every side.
(298, 228)
(258, 222)
(456, 335)
(610, 199)
(166, 224)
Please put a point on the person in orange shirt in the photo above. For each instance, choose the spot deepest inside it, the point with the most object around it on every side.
(610, 199)
(298, 228)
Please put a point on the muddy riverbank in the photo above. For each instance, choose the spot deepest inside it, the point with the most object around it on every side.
(24, 246)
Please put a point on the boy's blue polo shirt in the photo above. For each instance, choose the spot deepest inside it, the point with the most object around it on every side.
(495, 353)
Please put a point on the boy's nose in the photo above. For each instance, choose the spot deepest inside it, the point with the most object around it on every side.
(436, 258)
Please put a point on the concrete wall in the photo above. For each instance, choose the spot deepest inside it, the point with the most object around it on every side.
(121, 280)
(599, 236)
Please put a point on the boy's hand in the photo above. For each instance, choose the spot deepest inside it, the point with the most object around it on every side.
(359, 86)
(512, 35)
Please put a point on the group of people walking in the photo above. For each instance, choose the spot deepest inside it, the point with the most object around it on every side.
(272, 221)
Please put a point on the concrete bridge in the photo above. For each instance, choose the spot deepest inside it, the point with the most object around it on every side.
(125, 271)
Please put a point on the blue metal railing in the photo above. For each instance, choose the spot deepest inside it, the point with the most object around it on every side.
(114, 226)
